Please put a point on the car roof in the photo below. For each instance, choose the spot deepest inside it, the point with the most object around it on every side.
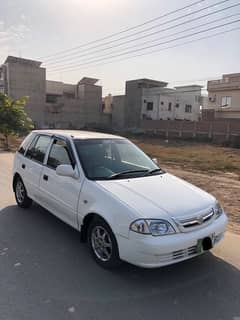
(78, 134)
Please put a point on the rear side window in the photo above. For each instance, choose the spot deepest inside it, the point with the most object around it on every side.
(38, 148)
(59, 154)
(25, 143)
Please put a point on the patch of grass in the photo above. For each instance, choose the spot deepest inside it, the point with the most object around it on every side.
(194, 156)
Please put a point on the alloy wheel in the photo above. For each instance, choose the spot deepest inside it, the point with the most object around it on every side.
(101, 243)
(20, 191)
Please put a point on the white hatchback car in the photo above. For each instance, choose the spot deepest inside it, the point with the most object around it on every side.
(126, 207)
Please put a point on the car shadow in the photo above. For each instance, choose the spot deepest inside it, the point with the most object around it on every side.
(44, 265)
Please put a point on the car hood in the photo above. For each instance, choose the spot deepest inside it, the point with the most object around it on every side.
(160, 195)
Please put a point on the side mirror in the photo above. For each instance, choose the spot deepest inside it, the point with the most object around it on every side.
(66, 170)
(155, 160)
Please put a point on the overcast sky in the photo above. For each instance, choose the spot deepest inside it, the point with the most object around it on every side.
(35, 29)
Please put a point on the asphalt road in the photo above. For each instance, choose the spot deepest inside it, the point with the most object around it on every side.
(46, 273)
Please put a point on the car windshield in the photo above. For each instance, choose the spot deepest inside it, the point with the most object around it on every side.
(105, 159)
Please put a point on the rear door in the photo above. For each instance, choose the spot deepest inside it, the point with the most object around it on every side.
(60, 194)
(32, 164)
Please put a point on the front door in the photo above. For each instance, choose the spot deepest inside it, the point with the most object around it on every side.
(60, 194)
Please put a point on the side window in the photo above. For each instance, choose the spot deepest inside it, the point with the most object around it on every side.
(25, 143)
(38, 148)
(58, 154)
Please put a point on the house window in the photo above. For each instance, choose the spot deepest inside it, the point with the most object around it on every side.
(188, 108)
(198, 99)
(177, 105)
(150, 106)
(1, 90)
(226, 102)
(169, 106)
(51, 98)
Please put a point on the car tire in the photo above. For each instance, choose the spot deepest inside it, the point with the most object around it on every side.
(21, 196)
(103, 244)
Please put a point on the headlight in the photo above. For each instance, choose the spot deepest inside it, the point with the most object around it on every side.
(153, 227)
(140, 226)
(218, 210)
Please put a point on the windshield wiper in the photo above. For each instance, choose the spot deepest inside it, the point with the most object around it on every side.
(120, 174)
(149, 172)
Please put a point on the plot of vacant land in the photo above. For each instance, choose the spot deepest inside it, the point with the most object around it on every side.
(213, 168)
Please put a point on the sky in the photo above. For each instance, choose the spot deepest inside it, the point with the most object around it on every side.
(38, 29)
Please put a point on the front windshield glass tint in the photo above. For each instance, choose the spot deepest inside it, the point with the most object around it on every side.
(104, 158)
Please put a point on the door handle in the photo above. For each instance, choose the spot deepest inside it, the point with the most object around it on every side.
(23, 166)
(45, 177)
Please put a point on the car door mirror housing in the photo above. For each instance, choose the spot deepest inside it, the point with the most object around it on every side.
(66, 170)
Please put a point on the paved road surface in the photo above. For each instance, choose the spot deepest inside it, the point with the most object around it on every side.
(46, 273)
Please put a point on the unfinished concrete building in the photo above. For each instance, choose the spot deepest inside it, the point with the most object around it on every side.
(24, 77)
(53, 103)
(73, 106)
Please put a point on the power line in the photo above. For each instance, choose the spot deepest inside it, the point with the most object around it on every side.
(127, 29)
(151, 41)
(155, 51)
(154, 45)
(141, 37)
(152, 27)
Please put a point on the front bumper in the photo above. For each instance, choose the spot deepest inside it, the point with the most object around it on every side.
(150, 252)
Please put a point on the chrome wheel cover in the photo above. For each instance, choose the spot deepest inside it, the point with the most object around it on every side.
(101, 243)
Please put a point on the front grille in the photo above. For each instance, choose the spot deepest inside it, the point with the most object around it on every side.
(184, 252)
(178, 255)
(189, 223)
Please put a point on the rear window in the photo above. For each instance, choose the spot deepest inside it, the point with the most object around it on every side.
(38, 148)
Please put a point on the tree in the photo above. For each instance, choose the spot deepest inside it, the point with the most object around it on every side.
(13, 118)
